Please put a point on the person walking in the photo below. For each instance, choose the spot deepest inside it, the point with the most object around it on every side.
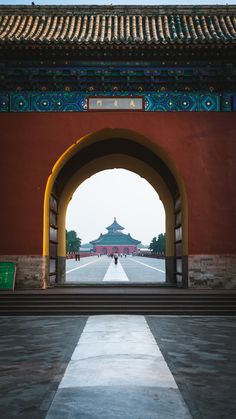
(116, 257)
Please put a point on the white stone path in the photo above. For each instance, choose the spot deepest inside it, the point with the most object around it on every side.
(115, 272)
(117, 372)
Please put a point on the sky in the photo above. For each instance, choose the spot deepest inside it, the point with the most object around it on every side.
(136, 2)
(116, 193)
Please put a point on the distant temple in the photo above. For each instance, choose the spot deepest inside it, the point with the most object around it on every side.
(115, 241)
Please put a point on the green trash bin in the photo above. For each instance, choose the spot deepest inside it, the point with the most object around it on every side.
(7, 275)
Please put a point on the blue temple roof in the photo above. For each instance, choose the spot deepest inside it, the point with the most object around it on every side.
(115, 226)
(115, 237)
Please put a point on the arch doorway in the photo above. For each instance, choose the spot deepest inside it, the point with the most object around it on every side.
(126, 251)
(108, 150)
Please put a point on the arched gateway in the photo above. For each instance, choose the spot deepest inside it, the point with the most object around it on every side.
(105, 150)
(148, 89)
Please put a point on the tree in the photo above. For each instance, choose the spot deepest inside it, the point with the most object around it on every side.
(153, 245)
(157, 245)
(73, 242)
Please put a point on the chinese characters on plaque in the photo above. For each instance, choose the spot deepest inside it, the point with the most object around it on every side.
(116, 103)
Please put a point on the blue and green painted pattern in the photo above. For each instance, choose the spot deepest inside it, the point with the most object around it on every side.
(154, 101)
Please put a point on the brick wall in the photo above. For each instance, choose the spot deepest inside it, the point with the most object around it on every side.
(212, 271)
(29, 270)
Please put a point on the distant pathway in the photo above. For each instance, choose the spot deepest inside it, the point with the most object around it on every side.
(102, 270)
(145, 264)
(115, 273)
(82, 266)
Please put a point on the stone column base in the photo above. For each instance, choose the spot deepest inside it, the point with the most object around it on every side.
(170, 270)
(212, 271)
(31, 270)
(61, 269)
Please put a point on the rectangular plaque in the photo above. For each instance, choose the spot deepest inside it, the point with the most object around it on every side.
(115, 103)
(7, 275)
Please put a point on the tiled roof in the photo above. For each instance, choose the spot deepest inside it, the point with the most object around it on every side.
(117, 25)
(115, 226)
(111, 239)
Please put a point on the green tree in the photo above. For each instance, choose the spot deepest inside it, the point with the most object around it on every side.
(153, 245)
(73, 242)
(157, 245)
(162, 242)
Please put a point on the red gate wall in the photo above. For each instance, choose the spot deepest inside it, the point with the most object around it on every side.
(201, 145)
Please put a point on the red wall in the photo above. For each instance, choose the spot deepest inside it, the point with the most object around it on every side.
(202, 146)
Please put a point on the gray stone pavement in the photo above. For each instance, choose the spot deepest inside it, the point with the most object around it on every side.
(199, 351)
(117, 371)
(91, 270)
(139, 270)
(34, 353)
(201, 354)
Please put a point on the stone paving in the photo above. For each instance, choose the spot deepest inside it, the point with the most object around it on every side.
(117, 359)
(133, 270)
(34, 352)
(116, 273)
(199, 352)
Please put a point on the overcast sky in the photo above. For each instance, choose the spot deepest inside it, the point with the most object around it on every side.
(102, 2)
(116, 193)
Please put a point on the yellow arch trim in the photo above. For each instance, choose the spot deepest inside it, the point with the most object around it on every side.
(102, 135)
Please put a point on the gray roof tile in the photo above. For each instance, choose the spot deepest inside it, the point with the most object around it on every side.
(117, 25)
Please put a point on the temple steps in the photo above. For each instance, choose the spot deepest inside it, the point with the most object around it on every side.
(90, 301)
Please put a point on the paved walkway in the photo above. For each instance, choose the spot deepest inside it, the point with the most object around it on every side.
(86, 263)
(119, 364)
(130, 269)
(115, 273)
(117, 371)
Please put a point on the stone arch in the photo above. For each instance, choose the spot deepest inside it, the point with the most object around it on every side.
(107, 149)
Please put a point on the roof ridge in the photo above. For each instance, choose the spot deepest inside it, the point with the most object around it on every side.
(119, 9)
(95, 26)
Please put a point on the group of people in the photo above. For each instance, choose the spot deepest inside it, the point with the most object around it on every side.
(73, 255)
(115, 255)
(121, 255)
